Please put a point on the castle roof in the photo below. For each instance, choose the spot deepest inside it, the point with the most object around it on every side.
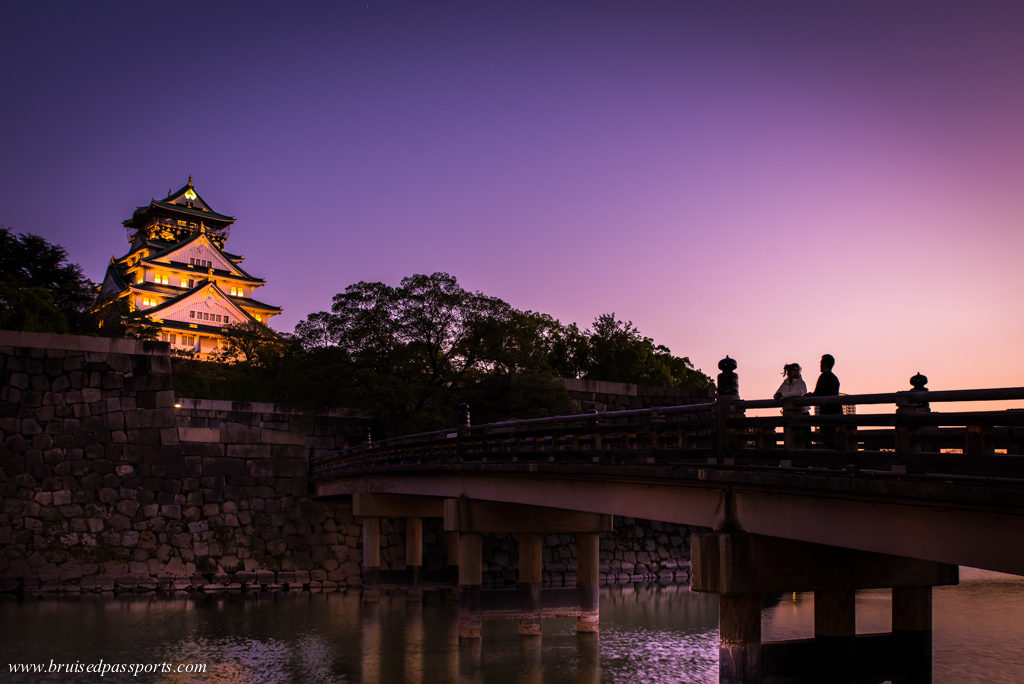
(184, 202)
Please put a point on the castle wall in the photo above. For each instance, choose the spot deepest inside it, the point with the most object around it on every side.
(601, 395)
(106, 484)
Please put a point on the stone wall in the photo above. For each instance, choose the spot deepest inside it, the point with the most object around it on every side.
(635, 551)
(600, 395)
(325, 432)
(103, 489)
(106, 484)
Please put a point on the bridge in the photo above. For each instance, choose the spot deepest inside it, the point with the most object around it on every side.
(792, 500)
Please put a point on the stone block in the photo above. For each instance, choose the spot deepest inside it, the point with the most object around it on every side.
(233, 432)
(260, 468)
(169, 436)
(285, 438)
(156, 418)
(192, 470)
(224, 466)
(147, 540)
(199, 434)
(249, 451)
(289, 467)
(175, 567)
(245, 577)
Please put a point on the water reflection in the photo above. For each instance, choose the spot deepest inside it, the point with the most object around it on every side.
(651, 634)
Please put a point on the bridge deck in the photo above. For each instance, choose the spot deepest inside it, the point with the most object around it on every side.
(946, 487)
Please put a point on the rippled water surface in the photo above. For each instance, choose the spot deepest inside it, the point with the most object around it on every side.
(648, 634)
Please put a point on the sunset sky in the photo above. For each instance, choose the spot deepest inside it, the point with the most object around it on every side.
(767, 180)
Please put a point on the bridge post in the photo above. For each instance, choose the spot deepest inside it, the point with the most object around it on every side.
(742, 567)
(470, 584)
(835, 631)
(588, 562)
(739, 638)
(531, 568)
(414, 557)
(728, 394)
(452, 568)
(912, 621)
(371, 559)
(907, 436)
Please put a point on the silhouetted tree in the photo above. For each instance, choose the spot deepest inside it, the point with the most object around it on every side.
(414, 351)
(251, 343)
(39, 291)
(617, 351)
(409, 354)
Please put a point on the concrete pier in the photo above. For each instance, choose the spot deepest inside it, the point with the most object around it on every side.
(413, 509)
(740, 568)
(470, 580)
(371, 559)
(530, 577)
(529, 603)
(587, 576)
(414, 557)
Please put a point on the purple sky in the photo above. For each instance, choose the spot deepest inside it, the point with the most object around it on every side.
(768, 180)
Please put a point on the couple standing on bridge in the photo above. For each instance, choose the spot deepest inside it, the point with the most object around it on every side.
(827, 386)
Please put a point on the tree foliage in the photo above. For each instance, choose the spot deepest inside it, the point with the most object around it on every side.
(617, 351)
(410, 354)
(39, 291)
(414, 351)
(253, 344)
(417, 350)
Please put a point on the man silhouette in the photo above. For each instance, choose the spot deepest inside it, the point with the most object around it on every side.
(828, 386)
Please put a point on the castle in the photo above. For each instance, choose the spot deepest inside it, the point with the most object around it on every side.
(177, 276)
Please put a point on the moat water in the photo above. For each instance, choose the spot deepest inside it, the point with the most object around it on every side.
(648, 634)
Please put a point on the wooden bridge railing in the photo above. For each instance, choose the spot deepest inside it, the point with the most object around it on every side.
(913, 439)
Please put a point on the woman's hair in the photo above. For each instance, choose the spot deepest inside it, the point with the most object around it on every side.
(788, 366)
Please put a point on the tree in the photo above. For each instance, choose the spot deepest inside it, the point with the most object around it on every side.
(617, 351)
(251, 343)
(418, 349)
(409, 354)
(39, 291)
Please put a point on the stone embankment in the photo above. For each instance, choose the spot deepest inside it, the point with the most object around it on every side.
(106, 484)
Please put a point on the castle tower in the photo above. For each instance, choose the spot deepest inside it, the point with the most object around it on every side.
(177, 275)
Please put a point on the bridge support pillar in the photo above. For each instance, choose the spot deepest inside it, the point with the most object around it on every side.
(531, 565)
(912, 623)
(470, 585)
(588, 548)
(741, 567)
(530, 603)
(835, 631)
(371, 508)
(414, 558)
(371, 560)
(739, 640)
